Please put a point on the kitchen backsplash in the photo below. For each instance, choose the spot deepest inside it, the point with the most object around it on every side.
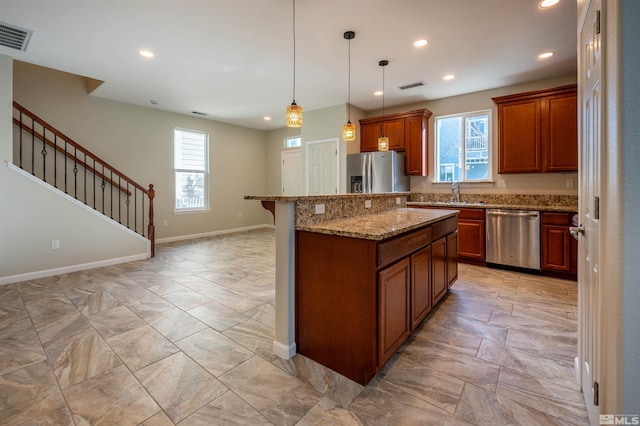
(513, 199)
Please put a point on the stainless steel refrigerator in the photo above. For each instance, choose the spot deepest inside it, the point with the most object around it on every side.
(375, 172)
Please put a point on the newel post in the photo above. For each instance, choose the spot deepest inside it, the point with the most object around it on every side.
(152, 227)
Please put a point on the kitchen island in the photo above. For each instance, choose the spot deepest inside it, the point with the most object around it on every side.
(362, 284)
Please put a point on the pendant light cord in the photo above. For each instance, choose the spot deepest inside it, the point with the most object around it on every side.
(294, 51)
(349, 101)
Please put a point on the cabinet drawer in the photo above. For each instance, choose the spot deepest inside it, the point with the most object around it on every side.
(394, 249)
(471, 214)
(556, 218)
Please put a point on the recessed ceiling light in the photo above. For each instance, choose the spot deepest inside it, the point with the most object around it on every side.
(378, 93)
(449, 77)
(420, 43)
(545, 55)
(146, 53)
(547, 3)
(267, 118)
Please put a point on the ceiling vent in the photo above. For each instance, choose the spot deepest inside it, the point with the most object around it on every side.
(14, 37)
(411, 85)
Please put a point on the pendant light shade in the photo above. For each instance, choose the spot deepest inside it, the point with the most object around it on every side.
(383, 141)
(294, 111)
(349, 130)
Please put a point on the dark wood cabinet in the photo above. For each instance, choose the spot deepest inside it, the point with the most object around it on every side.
(420, 285)
(393, 308)
(471, 236)
(538, 131)
(452, 258)
(406, 132)
(558, 248)
(357, 300)
(439, 283)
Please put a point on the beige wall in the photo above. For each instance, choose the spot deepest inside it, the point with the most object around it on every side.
(547, 183)
(139, 142)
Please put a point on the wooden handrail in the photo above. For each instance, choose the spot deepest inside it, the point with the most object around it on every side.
(76, 145)
(150, 192)
(71, 156)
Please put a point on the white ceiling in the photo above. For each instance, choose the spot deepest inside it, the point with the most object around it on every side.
(233, 59)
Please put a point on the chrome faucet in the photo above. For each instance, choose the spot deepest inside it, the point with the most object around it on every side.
(455, 189)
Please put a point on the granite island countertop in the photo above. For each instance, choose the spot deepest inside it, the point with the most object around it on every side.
(381, 225)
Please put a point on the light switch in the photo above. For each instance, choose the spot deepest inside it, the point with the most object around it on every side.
(367, 204)
(568, 183)
(319, 208)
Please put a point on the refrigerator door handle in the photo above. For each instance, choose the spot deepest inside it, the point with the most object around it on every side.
(364, 173)
(373, 176)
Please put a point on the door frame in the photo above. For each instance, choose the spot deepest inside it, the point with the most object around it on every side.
(336, 141)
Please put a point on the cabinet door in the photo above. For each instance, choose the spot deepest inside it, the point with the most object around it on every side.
(393, 308)
(471, 240)
(560, 127)
(452, 258)
(438, 270)
(519, 137)
(394, 130)
(556, 242)
(420, 285)
(415, 142)
(369, 134)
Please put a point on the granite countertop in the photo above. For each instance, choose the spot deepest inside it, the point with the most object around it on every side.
(453, 204)
(320, 198)
(380, 226)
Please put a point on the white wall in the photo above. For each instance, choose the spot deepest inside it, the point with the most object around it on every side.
(139, 142)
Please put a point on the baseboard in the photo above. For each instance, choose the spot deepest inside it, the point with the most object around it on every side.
(68, 269)
(212, 233)
(284, 351)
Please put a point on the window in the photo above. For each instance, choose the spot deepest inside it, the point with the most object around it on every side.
(191, 166)
(293, 142)
(463, 147)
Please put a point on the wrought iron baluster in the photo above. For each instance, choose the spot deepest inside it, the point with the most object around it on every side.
(55, 160)
(44, 154)
(135, 210)
(143, 217)
(128, 202)
(94, 184)
(111, 195)
(33, 148)
(86, 166)
(21, 131)
(65, 167)
(75, 172)
(103, 185)
(119, 201)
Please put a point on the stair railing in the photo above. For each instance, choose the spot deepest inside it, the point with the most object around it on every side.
(58, 160)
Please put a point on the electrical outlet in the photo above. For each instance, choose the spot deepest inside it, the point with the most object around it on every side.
(165, 222)
(502, 183)
(367, 204)
(55, 244)
(398, 200)
(319, 208)
(240, 215)
(568, 183)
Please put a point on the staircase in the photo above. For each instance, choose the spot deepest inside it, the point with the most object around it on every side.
(55, 158)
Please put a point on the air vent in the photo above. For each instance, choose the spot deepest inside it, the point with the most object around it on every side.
(411, 85)
(14, 37)
(198, 113)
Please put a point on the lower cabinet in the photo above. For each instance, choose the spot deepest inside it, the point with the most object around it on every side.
(393, 308)
(558, 249)
(420, 285)
(357, 300)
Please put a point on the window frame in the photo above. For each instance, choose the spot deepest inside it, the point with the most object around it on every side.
(288, 138)
(462, 157)
(205, 173)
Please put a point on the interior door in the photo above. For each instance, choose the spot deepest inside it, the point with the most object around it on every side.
(322, 167)
(291, 172)
(589, 291)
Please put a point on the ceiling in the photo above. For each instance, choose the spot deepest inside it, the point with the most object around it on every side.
(233, 59)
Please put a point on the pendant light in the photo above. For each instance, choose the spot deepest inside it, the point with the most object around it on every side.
(294, 111)
(349, 130)
(383, 141)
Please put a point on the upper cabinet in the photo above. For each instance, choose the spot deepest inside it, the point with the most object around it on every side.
(538, 131)
(406, 131)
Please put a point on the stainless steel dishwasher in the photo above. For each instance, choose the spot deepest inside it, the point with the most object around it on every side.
(513, 238)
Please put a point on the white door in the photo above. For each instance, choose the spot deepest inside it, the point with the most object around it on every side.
(291, 172)
(322, 167)
(589, 291)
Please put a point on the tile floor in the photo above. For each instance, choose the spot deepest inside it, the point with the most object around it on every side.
(186, 338)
